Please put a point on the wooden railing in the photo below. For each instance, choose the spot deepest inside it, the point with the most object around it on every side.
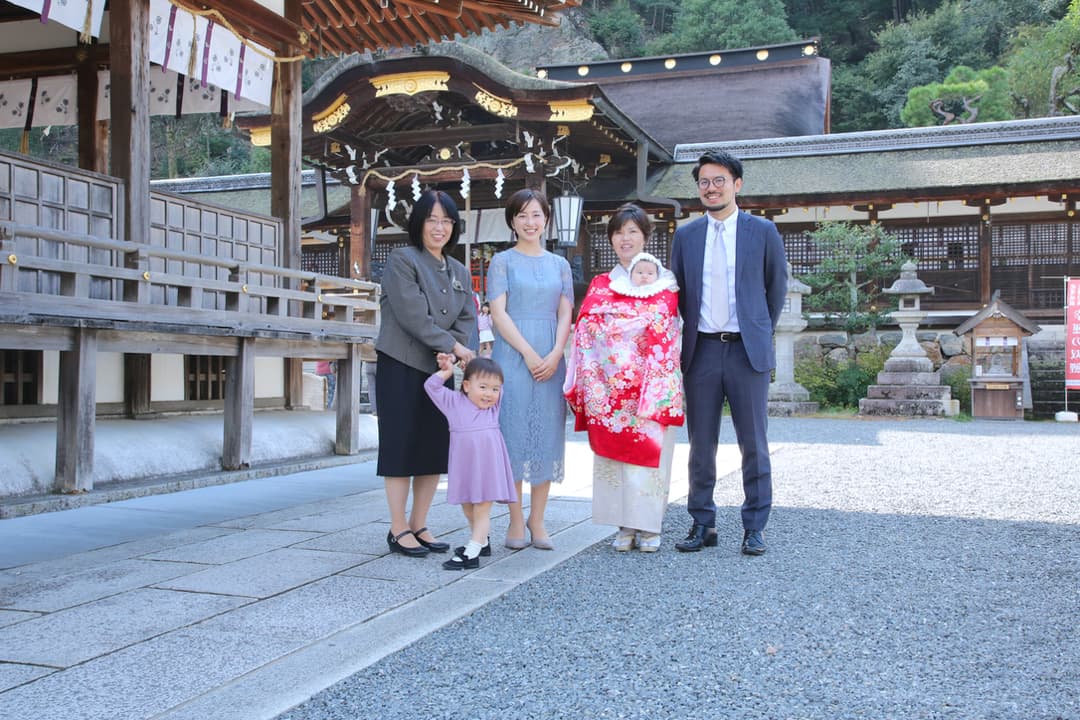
(251, 297)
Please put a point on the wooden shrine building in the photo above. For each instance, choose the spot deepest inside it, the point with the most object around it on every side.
(449, 117)
(178, 304)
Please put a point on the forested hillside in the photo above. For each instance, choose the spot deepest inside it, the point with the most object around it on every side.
(954, 60)
(895, 63)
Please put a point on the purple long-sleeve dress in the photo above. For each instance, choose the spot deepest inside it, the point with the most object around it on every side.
(479, 468)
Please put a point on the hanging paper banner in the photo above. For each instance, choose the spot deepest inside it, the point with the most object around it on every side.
(256, 74)
(56, 102)
(80, 15)
(1072, 334)
(163, 89)
(178, 42)
(14, 103)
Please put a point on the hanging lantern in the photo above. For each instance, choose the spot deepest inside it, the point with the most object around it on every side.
(567, 210)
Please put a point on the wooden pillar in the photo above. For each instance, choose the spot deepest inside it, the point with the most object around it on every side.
(349, 373)
(75, 414)
(239, 406)
(92, 151)
(285, 137)
(129, 94)
(986, 259)
(136, 384)
(359, 255)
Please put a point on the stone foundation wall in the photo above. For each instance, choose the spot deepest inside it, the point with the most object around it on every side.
(949, 354)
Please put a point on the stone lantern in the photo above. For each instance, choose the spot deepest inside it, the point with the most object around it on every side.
(909, 355)
(787, 397)
(908, 385)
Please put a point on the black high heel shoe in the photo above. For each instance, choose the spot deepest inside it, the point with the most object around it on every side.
(484, 551)
(395, 546)
(435, 547)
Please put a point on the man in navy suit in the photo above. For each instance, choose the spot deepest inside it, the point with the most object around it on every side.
(732, 275)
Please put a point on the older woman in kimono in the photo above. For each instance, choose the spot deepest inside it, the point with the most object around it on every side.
(625, 387)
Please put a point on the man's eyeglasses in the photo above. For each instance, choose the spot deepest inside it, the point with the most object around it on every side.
(716, 182)
(446, 222)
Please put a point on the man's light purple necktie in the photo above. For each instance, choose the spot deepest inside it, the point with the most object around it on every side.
(719, 300)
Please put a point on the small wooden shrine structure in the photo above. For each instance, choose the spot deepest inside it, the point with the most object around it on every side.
(995, 337)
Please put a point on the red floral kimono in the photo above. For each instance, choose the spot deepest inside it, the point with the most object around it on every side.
(624, 384)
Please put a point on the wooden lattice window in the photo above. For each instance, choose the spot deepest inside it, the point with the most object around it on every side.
(324, 259)
(379, 255)
(20, 377)
(1049, 243)
(603, 257)
(947, 247)
(1010, 246)
(801, 252)
(205, 377)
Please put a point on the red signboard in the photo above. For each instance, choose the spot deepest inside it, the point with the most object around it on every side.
(1072, 333)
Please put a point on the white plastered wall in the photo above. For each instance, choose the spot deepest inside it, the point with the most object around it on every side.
(166, 377)
(110, 377)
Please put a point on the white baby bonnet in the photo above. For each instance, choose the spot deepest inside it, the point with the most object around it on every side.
(665, 279)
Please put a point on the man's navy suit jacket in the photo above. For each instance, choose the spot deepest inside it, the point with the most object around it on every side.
(760, 284)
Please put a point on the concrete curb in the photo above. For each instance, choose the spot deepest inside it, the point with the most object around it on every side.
(34, 504)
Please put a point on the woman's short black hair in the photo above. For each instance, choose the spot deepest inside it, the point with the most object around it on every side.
(722, 158)
(520, 199)
(630, 213)
(480, 365)
(422, 210)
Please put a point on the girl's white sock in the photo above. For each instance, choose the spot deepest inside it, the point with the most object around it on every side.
(473, 549)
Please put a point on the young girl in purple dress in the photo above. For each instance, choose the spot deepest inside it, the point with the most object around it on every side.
(479, 470)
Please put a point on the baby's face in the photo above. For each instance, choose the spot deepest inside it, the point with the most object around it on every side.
(643, 273)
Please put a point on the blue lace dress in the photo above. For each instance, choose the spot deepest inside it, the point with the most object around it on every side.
(533, 417)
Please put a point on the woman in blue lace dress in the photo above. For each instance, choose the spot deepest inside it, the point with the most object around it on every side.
(532, 300)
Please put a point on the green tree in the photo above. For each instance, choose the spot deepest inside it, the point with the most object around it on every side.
(846, 27)
(657, 15)
(902, 61)
(198, 146)
(1044, 66)
(857, 262)
(920, 50)
(853, 102)
(965, 96)
(702, 25)
(619, 29)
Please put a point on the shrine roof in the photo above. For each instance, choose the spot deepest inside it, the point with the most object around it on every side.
(747, 93)
(450, 105)
(989, 159)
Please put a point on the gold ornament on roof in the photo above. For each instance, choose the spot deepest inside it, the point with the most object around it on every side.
(410, 83)
(260, 137)
(494, 104)
(570, 111)
(328, 119)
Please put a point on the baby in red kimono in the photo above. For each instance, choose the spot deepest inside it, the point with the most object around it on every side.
(646, 278)
(624, 385)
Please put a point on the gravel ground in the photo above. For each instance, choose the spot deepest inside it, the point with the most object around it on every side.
(916, 569)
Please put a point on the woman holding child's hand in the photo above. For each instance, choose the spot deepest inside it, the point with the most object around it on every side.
(427, 308)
